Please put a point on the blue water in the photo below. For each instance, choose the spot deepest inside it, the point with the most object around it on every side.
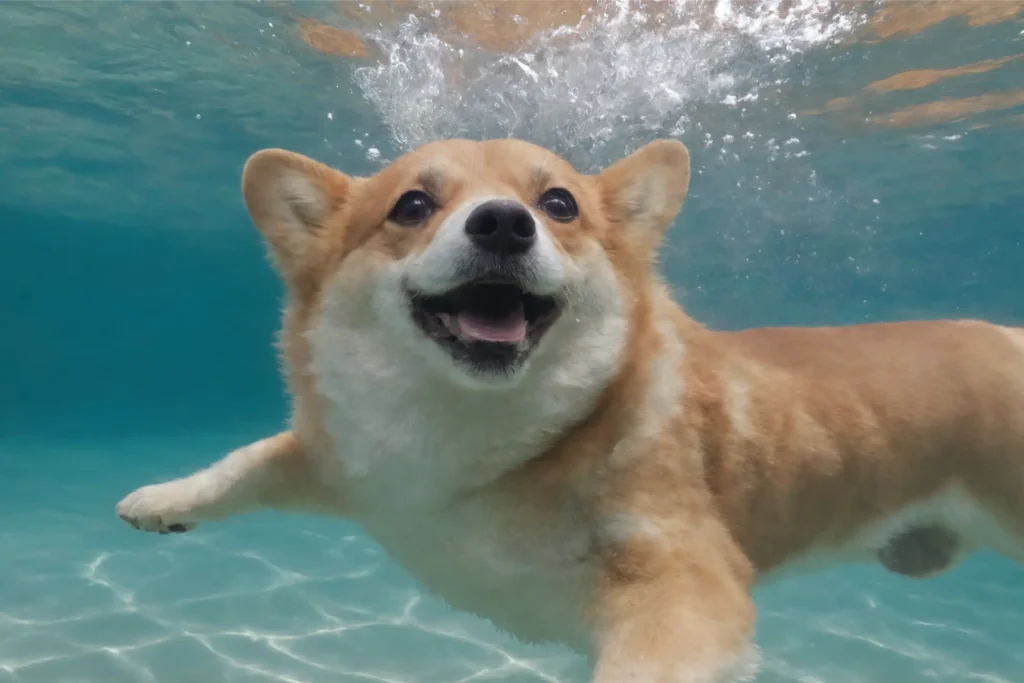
(140, 313)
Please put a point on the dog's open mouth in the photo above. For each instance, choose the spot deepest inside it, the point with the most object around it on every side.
(490, 324)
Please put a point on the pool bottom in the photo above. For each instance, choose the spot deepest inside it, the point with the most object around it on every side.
(273, 597)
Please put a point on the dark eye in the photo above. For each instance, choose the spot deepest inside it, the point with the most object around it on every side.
(558, 204)
(412, 208)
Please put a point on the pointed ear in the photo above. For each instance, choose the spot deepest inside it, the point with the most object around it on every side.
(644, 192)
(289, 198)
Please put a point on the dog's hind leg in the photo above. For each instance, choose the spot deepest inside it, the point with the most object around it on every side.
(920, 551)
(928, 548)
(995, 474)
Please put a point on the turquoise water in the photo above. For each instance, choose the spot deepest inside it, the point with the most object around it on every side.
(140, 312)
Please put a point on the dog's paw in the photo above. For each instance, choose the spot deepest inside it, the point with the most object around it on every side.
(160, 508)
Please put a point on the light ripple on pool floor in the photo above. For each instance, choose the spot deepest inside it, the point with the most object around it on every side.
(275, 598)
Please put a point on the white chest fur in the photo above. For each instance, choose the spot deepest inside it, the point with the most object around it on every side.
(413, 469)
(419, 452)
(496, 559)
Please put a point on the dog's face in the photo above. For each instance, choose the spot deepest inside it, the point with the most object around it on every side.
(478, 261)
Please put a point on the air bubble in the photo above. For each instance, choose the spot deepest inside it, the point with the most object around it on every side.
(607, 85)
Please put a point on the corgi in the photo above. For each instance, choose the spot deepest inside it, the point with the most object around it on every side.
(491, 378)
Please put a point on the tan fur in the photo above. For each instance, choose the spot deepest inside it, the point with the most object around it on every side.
(634, 522)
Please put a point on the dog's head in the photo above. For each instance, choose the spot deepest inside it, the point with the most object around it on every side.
(484, 263)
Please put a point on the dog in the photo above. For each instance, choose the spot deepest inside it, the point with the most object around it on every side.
(490, 376)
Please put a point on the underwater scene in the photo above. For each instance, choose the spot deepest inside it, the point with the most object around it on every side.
(850, 162)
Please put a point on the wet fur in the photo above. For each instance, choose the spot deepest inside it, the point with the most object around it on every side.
(625, 491)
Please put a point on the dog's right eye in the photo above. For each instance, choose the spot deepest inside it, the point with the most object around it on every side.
(412, 208)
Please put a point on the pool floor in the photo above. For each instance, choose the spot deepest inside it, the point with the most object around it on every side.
(270, 597)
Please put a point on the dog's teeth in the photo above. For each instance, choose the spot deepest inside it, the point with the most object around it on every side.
(450, 323)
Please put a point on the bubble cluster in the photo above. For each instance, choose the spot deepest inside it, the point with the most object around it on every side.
(588, 91)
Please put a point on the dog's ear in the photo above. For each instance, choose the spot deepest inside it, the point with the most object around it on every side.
(290, 197)
(644, 192)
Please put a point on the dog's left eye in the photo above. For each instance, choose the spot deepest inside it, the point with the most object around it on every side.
(559, 204)
(412, 208)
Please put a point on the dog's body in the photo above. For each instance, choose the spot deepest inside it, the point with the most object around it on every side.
(489, 376)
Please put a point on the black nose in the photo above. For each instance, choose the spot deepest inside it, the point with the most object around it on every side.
(502, 226)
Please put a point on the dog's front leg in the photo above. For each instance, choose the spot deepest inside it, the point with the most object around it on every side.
(272, 472)
(686, 618)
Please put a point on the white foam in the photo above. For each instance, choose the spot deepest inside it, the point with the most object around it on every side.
(613, 84)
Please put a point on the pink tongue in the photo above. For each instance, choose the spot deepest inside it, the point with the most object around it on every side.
(510, 330)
